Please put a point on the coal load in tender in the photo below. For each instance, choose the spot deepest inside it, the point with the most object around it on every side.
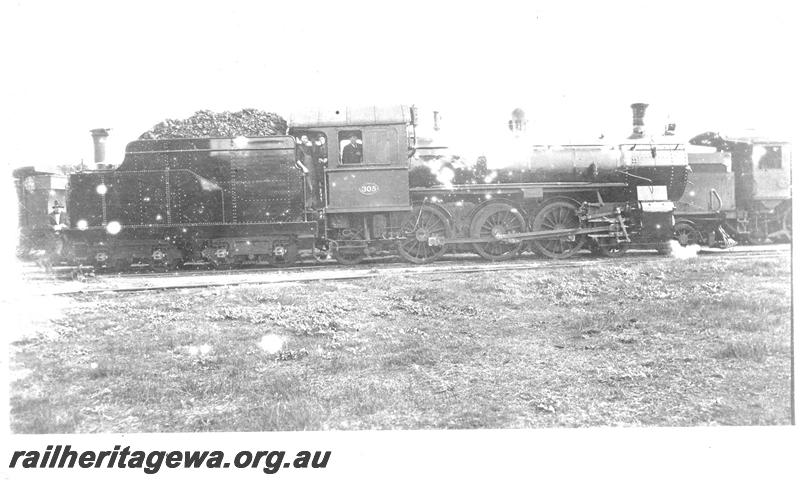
(208, 124)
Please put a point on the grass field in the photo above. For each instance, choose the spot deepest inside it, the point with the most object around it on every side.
(672, 342)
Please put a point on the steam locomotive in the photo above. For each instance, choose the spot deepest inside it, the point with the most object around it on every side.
(227, 201)
(738, 189)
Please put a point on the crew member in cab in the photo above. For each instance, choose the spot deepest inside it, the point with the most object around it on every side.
(321, 150)
(306, 152)
(353, 153)
(57, 218)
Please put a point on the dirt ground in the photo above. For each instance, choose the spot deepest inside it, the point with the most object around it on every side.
(702, 341)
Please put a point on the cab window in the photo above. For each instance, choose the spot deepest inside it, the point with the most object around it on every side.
(351, 147)
(769, 157)
(380, 145)
(311, 143)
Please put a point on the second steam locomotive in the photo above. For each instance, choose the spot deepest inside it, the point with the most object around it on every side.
(344, 192)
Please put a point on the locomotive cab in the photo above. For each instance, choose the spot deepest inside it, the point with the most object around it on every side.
(377, 179)
(37, 193)
(364, 178)
(771, 163)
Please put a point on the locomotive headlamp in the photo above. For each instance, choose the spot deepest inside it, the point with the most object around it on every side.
(113, 227)
(101, 189)
(82, 225)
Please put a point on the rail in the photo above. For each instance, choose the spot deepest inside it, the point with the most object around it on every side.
(193, 280)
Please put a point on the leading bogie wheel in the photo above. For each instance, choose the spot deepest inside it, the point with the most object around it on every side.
(787, 220)
(687, 234)
(664, 247)
(425, 224)
(612, 249)
(558, 215)
(493, 220)
(757, 231)
(786, 224)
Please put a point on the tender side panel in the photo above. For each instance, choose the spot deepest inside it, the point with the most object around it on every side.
(265, 185)
(194, 182)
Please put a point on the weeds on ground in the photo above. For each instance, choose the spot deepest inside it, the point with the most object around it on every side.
(675, 342)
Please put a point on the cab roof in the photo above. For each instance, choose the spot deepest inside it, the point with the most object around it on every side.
(351, 116)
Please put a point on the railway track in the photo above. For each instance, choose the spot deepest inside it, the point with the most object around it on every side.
(192, 279)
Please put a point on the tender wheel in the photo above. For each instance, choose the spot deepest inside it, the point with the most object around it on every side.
(346, 254)
(321, 251)
(687, 234)
(163, 260)
(422, 224)
(557, 215)
(495, 219)
(101, 259)
(284, 258)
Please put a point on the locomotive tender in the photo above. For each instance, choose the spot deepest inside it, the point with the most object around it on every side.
(231, 200)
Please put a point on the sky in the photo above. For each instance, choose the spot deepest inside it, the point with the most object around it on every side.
(573, 67)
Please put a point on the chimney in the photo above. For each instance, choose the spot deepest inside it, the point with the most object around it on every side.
(638, 120)
(99, 136)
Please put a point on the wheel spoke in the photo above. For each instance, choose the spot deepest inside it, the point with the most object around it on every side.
(557, 215)
(431, 222)
(496, 218)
